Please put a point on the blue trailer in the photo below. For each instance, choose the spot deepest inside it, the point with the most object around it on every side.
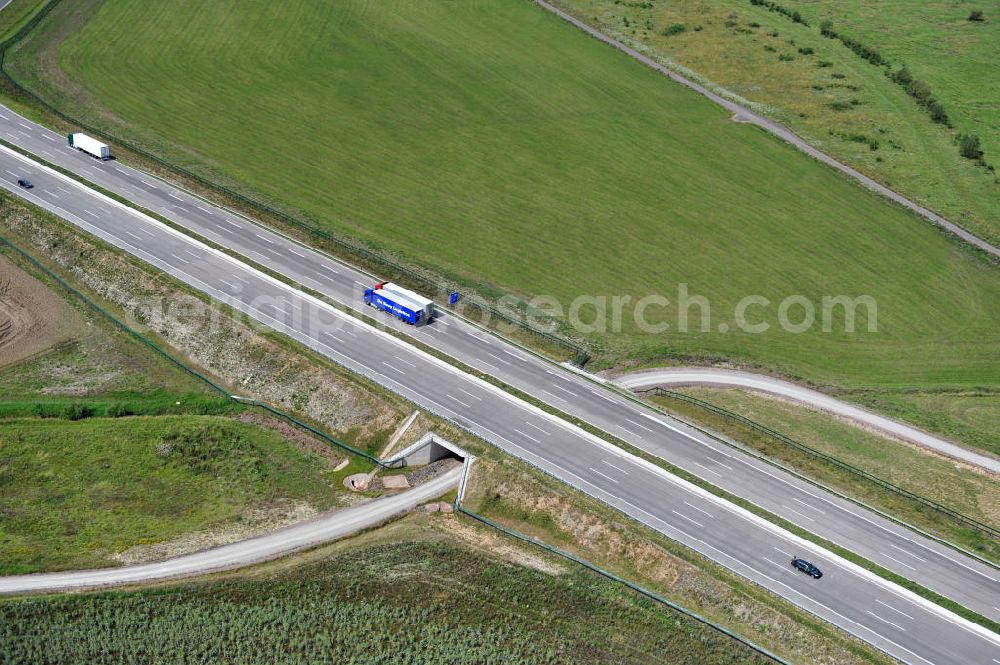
(401, 303)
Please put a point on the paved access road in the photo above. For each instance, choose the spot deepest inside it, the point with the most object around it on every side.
(689, 376)
(277, 543)
(896, 621)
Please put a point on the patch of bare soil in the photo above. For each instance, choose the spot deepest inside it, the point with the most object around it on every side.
(494, 543)
(32, 317)
(296, 436)
(254, 522)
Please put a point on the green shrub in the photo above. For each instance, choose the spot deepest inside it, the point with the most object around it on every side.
(976, 16)
(968, 146)
(824, 63)
(786, 57)
(937, 113)
(806, 50)
(119, 410)
(675, 29)
(77, 411)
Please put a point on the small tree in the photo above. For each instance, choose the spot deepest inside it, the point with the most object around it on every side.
(977, 16)
(920, 91)
(81, 411)
(903, 76)
(968, 146)
(826, 28)
(937, 112)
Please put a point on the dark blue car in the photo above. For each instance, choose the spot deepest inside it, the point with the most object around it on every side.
(807, 568)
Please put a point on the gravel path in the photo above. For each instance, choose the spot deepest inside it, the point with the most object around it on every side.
(788, 390)
(742, 114)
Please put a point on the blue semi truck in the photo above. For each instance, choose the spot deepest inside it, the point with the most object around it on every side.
(402, 303)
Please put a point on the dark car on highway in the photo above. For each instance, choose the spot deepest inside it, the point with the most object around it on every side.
(807, 568)
(24, 182)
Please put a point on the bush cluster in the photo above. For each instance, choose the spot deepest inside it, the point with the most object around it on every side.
(638, 5)
(780, 9)
(921, 92)
(862, 50)
(968, 147)
(674, 29)
(872, 143)
(916, 88)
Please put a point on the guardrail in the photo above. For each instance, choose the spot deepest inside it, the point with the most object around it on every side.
(121, 325)
(985, 529)
(369, 258)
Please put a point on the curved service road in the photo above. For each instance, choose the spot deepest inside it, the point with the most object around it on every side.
(734, 378)
(283, 541)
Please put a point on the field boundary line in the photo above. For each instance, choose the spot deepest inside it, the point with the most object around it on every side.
(778, 130)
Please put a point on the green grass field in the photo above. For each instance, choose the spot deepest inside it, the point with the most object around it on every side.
(391, 603)
(76, 492)
(758, 55)
(493, 142)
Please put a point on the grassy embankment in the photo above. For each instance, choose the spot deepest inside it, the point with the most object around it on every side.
(524, 499)
(498, 145)
(105, 444)
(78, 492)
(952, 485)
(16, 14)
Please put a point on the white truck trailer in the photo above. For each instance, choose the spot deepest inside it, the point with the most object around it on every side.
(90, 146)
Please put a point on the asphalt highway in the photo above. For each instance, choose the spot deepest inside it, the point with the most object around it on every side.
(896, 621)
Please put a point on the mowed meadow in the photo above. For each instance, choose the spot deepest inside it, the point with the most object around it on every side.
(496, 144)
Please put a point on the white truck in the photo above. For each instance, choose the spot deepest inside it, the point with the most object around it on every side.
(90, 146)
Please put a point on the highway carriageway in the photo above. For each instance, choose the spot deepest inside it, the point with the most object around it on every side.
(847, 596)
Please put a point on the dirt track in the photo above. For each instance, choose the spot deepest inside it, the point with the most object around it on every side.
(32, 317)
